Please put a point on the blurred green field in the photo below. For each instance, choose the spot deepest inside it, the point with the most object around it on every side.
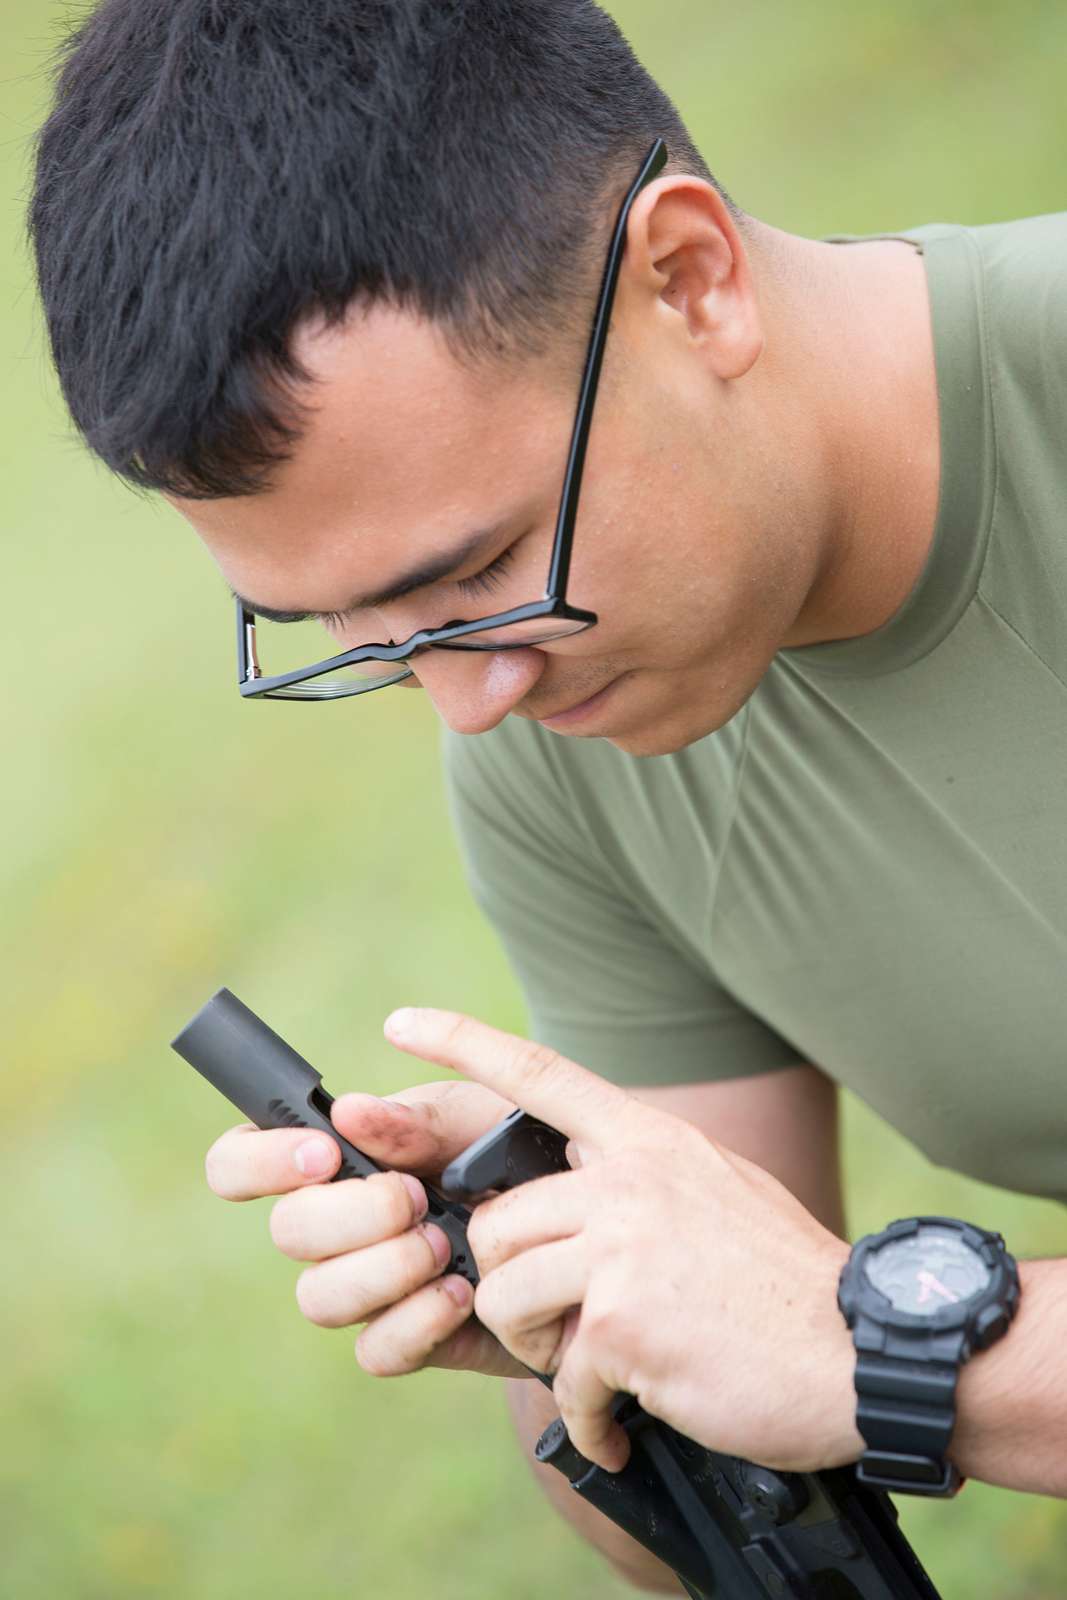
(173, 1426)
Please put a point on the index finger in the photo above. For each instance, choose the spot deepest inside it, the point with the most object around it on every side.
(568, 1097)
(247, 1162)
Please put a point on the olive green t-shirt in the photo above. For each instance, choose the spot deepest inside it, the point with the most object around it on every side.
(866, 868)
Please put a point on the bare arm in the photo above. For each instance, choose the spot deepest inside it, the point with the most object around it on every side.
(787, 1123)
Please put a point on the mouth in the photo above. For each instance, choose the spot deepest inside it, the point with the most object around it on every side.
(585, 711)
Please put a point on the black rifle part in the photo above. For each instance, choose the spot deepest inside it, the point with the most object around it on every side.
(731, 1530)
(515, 1150)
(276, 1088)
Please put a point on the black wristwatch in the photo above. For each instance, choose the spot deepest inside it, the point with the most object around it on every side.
(921, 1297)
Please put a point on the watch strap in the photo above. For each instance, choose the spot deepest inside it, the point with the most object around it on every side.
(906, 1411)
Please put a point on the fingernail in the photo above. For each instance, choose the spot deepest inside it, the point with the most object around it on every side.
(438, 1242)
(418, 1194)
(313, 1158)
(460, 1290)
(401, 1023)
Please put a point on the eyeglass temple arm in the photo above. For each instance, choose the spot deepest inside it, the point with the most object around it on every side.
(654, 163)
(247, 662)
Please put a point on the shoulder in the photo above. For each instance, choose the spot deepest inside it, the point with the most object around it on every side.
(1020, 268)
(1024, 281)
(1024, 252)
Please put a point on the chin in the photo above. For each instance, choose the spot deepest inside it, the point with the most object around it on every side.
(653, 744)
(675, 732)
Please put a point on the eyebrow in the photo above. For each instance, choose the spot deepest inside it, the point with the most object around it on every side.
(420, 577)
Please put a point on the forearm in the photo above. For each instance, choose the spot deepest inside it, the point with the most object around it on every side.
(533, 1408)
(1011, 1415)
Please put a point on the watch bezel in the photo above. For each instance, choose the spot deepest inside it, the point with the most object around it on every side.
(857, 1295)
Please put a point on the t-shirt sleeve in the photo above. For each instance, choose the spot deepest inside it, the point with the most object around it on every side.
(602, 983)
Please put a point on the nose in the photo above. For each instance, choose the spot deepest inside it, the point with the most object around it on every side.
(473, 690)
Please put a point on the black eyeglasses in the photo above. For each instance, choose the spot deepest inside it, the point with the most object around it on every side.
(375, 666)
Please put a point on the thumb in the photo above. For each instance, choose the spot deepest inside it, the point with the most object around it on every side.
(420, 1129)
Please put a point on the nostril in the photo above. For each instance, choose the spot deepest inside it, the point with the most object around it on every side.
(473, 691)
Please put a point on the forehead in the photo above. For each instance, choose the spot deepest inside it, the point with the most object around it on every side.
(404, 448)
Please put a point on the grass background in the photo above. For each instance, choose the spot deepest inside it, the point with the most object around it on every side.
(173, 1427)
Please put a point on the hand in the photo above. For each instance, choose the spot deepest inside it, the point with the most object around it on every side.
(664, 1267)
(372, 1261)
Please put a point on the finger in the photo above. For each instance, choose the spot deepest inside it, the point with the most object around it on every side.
(537, 1212)
(525, 1303)
(585, 1403)
(342, 1290)
(247, 1163)
(432, 1329)
(586, 1108)
(420, 1129)
(330, 1219)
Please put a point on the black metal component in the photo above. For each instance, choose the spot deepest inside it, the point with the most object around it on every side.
(822, 1536)
(276, 1088)
(516, 1150)
(781, 1496)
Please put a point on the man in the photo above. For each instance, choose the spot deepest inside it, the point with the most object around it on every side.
(324, 275)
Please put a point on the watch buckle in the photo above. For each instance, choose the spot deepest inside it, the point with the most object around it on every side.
(903, 1474)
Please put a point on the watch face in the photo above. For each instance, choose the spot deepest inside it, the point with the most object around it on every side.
(927, 1271)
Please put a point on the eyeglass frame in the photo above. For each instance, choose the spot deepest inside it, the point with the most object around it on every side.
(251, 682)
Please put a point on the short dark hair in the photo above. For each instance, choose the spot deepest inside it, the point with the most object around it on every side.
(214, 171)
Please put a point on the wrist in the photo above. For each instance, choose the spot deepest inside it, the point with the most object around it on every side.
(833, 1381)
(843, 1442)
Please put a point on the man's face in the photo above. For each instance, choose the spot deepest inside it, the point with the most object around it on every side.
(681, 546)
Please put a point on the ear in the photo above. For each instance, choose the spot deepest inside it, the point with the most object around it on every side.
(685, 259)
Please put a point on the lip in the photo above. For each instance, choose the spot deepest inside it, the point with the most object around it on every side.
(583, 711)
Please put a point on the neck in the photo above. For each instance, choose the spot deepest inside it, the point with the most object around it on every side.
(853, 323)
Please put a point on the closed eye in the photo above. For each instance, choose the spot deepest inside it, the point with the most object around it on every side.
(488, 579)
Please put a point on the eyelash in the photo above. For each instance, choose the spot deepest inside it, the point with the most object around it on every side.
(488, 579)
(483, 582)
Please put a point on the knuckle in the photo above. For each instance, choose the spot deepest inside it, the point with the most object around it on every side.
(693, 1142)
(286, 1229)
(393, 1207)
(487, 1305)
(212, 1174)
(540, 1351)
(410, 1340)
(458, 1030)
(372, 1358)
(480, 1233)
(217, 1170)
(421, 1261)
(604, 1324)
(538, 1061)
(309, 1301)
(463, 1348)
(562, 1393)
